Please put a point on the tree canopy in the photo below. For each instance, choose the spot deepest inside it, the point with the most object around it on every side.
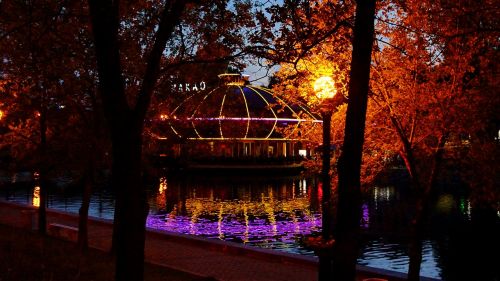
(433, 96)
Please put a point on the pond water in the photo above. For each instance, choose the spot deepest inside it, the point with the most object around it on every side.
(275, 213)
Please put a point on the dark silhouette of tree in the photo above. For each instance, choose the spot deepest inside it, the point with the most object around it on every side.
(126, 87)
(35, 61)
(348, 216)
(126, 126)
(429, 89)
(49, 78)
(431, 97)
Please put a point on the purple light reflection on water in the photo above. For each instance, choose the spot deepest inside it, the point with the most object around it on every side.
(262, 232)
(273, 216)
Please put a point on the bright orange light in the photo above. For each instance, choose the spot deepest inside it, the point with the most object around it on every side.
(1, 114)
(163, 185)
(325, 87)
(36, 196)
(163, 117)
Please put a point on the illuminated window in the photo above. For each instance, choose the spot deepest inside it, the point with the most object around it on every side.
(302, 152)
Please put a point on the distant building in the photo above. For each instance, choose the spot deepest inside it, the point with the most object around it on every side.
(235, 121)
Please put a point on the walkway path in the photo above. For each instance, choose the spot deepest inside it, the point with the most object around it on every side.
(210, 258)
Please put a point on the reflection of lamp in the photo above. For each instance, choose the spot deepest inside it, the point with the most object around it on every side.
(36, 196)
(325, 91)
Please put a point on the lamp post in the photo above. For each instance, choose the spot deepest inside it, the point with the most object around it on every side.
(325, 91)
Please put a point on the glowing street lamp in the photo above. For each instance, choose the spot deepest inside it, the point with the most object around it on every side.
(325, 91)
(325, 87)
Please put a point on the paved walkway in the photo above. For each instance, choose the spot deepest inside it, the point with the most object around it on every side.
(203, 257)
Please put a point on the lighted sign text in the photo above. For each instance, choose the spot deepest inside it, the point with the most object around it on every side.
(188, 87)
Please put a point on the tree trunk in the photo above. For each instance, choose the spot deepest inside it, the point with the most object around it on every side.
(131, 207)
(422, 211)
(42, 209)
(349, 166)
(126, 127)
(415, 247)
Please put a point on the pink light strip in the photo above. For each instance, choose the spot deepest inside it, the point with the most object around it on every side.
(250, 119)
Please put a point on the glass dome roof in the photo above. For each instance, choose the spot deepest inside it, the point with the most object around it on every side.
(237, 110)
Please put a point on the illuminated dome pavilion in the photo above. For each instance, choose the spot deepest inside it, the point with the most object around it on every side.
(235, 120)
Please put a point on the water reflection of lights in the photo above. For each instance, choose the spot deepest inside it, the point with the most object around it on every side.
(163, 185)
(295, 224)
(262, 221)
(445, 203)
(465, 207)
(197, 210)
(365, 220)
(264, 207)
(36, 196)
(219, 222)
(287, 208)
(383, 194)
(161, 199)
(302, 187)
(173, 214)
(244, 216)
(269, 208)
(247, 224)
(320, 191)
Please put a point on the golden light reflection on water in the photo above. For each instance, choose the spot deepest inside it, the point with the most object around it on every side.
(310, 217)
(219, 221)
(269, 207)
(173, 214)
(197, 210)
(263, 207)
(213, 205)
(161, 198)
(225, 212)
(36, 196)
(245, 215)
(163, 185)
(290, 208)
